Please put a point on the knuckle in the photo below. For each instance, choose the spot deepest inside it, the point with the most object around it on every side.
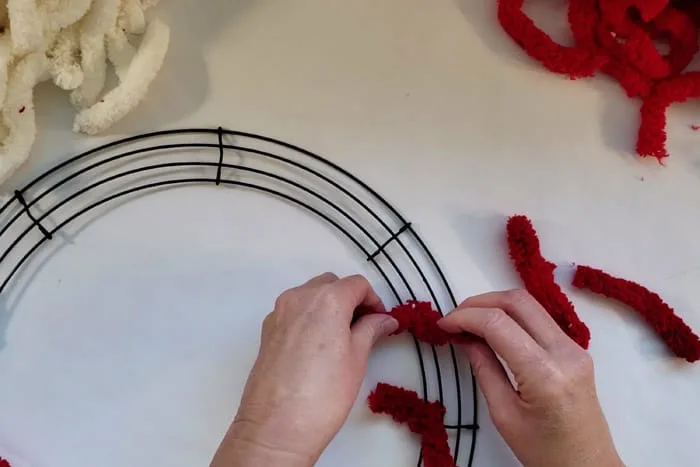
(269, 320)
(564, 383)
(495, 320)
(359, 279)
(518, 297)
(585, 361)
(558, 384)
(328, 276)
(581, 366)
(283, 298)
(326, 292)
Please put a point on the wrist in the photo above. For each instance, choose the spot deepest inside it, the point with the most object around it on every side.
(248, 444)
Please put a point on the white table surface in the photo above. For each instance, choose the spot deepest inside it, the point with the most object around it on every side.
(131, 345)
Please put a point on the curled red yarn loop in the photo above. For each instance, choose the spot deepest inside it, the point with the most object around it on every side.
(426, 419)
(619, 38)
(670, 327)
(420, 319)
(575, 62)
(538, 276)
(682, 34)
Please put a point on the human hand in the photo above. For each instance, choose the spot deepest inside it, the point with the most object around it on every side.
(551, 415)
(308, 373)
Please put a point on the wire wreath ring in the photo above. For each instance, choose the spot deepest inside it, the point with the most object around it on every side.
(145, 163)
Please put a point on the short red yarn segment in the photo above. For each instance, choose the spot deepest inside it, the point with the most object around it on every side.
(652, 131)
(618, 37)
(426, 419)
(538, 276)
(420, 319)
(670, 327)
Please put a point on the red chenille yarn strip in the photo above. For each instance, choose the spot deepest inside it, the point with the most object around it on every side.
(420, 319)
(423, 418)
(538, 276)
(670, 327)
(575, 62)
(652, 130)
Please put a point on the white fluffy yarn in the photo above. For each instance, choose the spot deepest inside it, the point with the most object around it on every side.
(70, 42)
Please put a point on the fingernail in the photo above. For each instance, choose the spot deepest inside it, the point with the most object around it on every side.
(389, 325)
(443, 320)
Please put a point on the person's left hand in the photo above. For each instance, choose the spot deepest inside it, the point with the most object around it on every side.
(309, 371)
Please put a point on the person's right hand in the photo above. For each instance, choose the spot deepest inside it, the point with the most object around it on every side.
(550, 415)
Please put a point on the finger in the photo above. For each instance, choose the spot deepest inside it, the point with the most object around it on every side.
(506, 337)
(367, 331)
(491, 377)
(325, 278)
(356, 291)
(526, 311)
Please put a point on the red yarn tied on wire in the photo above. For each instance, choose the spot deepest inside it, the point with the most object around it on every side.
(538, 276)
(405, 407)
(427, 419)
(420, 319)
(670, 327)
(618, 38)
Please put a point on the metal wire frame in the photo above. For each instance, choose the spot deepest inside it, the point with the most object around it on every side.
(337, 180)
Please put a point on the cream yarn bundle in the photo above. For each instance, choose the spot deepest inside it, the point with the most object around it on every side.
(70, 43)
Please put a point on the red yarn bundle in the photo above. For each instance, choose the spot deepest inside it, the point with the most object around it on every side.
(670, 327)
(538, 275)
(618, 38)
(423, 418)
(420, 319)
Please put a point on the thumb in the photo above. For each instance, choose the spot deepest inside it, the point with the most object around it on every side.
(369, 329)
(492, 378)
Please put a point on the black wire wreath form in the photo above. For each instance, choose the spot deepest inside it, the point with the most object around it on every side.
(37, 213)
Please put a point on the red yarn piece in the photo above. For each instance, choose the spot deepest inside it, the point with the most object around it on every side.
(652, 130)
(651, 140)
(618, 37)
(616, 12)
(584, 19)
(637, 50)
(670, 327)
(682, 34)
(575, 62)
(538, 275)
(420, 319)
(632, 81)
(584, 16)
(4, 463)
(423, 418)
